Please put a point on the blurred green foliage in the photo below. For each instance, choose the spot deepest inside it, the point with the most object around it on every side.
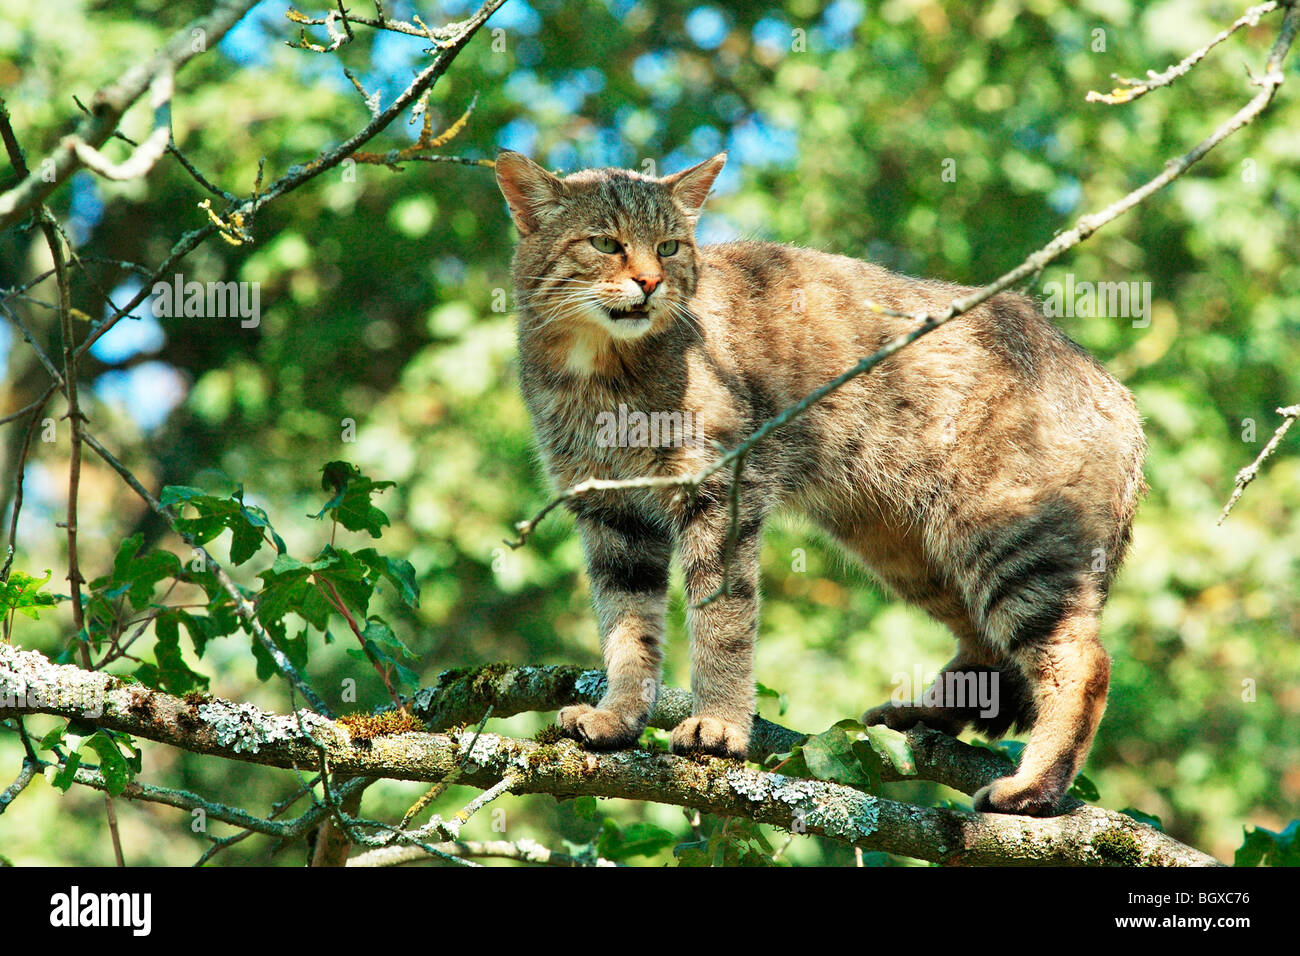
(939, 140)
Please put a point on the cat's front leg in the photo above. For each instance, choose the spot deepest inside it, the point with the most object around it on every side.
(627, 560)
(723, 624)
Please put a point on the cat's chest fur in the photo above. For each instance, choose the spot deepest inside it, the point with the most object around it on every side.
(661, 415)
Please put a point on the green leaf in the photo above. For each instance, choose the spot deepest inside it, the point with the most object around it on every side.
(1254, 848)
(245, 539)
(197, 629)
(1148, 819)
(126, 551)
(1270, 848)
(870, 763)
(174, 674)
(1084, 789)
(143, 574)
(257, 518)
(396, 570)
(892, 746)
(830, 756)
(350, 506)
(22, 593)
(147, 675)
(315, 609)
(79, 727)
(695, 853)
(295, 648)
(117, 774)
(67, 773)
(266, 668)
(406, 677)
(284, 585)
(248, 524)
(781, 699)
(174, 494)
(585, 808)
(635, 839)
(52, 739)
(725, 848)
(379, 633)
(790, 763)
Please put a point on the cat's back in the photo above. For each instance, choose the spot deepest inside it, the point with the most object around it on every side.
(997, 394)
(790, 307)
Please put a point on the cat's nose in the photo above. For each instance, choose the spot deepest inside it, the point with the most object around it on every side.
(648, 283)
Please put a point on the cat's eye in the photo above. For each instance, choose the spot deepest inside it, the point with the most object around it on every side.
(605, 244)
(668, 247)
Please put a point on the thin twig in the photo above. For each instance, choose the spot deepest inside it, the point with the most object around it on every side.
(1251, 471)
(26, 774)
(20, 469)
(733, 536)
(1133, 89)
(525, 851)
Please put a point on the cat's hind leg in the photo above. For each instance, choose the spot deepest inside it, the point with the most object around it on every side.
(1069, 672)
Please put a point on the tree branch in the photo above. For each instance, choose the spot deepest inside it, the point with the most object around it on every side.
(30, 683)
(109, 105)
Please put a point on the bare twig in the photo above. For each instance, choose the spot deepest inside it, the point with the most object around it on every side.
(380, 22)
(146, 154)
(26, 775)
(1132, 89)
(425, 143)
(1251, 471)
(524, 851)
(733, 536)
(20, 469)
(189, 167)
(54, 240)
(437, 789)
(111, 102)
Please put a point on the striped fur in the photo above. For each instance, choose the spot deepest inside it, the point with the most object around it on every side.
(988, 473)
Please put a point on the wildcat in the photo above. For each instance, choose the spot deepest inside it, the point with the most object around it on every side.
(988, 473)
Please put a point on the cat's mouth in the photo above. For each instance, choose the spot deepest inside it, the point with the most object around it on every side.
(629, 314)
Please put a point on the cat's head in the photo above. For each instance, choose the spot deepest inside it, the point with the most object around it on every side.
(611, 249)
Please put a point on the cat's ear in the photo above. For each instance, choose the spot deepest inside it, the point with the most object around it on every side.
(691, 186)
(528, 189)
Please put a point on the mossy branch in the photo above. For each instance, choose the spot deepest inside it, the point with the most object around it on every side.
(30, 683)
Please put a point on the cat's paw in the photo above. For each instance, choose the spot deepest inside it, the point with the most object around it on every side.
(893, 716)
(711, 735)
(1011, 795)
(599, 729)
(906, 716)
